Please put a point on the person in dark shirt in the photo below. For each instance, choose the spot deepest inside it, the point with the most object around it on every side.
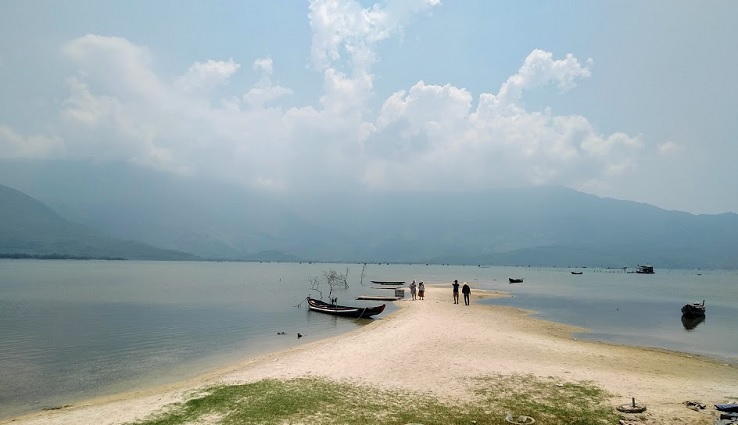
(456, 291)
(466, 290)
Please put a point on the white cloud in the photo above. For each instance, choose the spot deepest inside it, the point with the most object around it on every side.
(538, 69)
(669, 147)
(114, 63)
(424, 137)
(498, 144)
(343, 28)
(204, 76)
(264, 91)
(345, 38)
(14, 145)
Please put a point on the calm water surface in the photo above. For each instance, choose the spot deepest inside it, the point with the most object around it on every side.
(71, 330)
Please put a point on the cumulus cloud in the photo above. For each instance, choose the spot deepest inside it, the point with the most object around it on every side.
(499, 143)
(669, 148)
(115, 65)
(14, 145)
(264, 91)
(538, 69)
(424, 137)
(204, 76)
(344, 30)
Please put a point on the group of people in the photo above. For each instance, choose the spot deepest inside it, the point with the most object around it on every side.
(417, 291)
(466, 290)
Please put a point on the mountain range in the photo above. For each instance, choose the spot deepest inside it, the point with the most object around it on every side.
(93, 207)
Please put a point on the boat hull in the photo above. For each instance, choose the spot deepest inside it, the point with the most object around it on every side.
(344, 311)
(693, 310)
(690, 322)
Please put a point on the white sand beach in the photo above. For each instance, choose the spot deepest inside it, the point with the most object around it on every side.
(436, 346)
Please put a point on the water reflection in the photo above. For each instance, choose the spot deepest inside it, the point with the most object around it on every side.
(690, 322)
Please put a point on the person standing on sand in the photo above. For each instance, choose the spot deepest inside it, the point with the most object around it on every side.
(456, 291)
(412, 289)
(466, 290)
(421, 290)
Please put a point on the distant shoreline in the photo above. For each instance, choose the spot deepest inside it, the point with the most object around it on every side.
(57, 257)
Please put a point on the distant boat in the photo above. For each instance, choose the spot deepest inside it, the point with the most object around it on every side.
(388, 282)
(515, 280)
(342, 310)
(573, 272)
(646, 269)
(694, 309)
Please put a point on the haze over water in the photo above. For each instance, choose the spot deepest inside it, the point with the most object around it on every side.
(71, 330)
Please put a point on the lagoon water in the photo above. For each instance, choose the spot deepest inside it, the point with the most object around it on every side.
(71, 330)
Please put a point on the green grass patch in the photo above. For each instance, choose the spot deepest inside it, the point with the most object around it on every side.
(321, 401)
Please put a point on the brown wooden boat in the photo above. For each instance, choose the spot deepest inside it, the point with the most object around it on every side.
(343, 310)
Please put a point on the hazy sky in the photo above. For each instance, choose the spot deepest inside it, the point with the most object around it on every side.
(628, 99)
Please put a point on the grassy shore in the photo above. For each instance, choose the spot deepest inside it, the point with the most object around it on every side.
(321, 401)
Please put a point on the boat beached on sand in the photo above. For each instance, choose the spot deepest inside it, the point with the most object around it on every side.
(342, 310)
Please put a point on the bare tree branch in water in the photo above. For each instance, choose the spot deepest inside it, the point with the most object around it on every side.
(363, 273)
(335, 279)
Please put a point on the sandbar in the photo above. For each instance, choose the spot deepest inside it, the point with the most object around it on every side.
(436, 346)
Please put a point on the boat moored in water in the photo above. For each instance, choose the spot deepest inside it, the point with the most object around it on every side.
(690, 322)
(388, 282)
(694, 309)
(515, 279)
(645, 269)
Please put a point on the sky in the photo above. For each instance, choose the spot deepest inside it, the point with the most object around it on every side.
(630, 99)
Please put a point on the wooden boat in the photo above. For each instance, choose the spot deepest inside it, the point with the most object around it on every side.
(694, 309)
(573, 272)
(690, 322)
(388, 282)
(342, 310)
(515, 280)
(377, 298)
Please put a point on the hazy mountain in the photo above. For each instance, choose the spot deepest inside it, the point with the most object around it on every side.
(28, 227)
(537, 226)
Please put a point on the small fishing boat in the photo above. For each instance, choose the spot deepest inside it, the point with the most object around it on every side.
(694, 309)
(515, 280)
(342, 310)
(388, 282)
(573, 272)
(645, 269)
(690, 322)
